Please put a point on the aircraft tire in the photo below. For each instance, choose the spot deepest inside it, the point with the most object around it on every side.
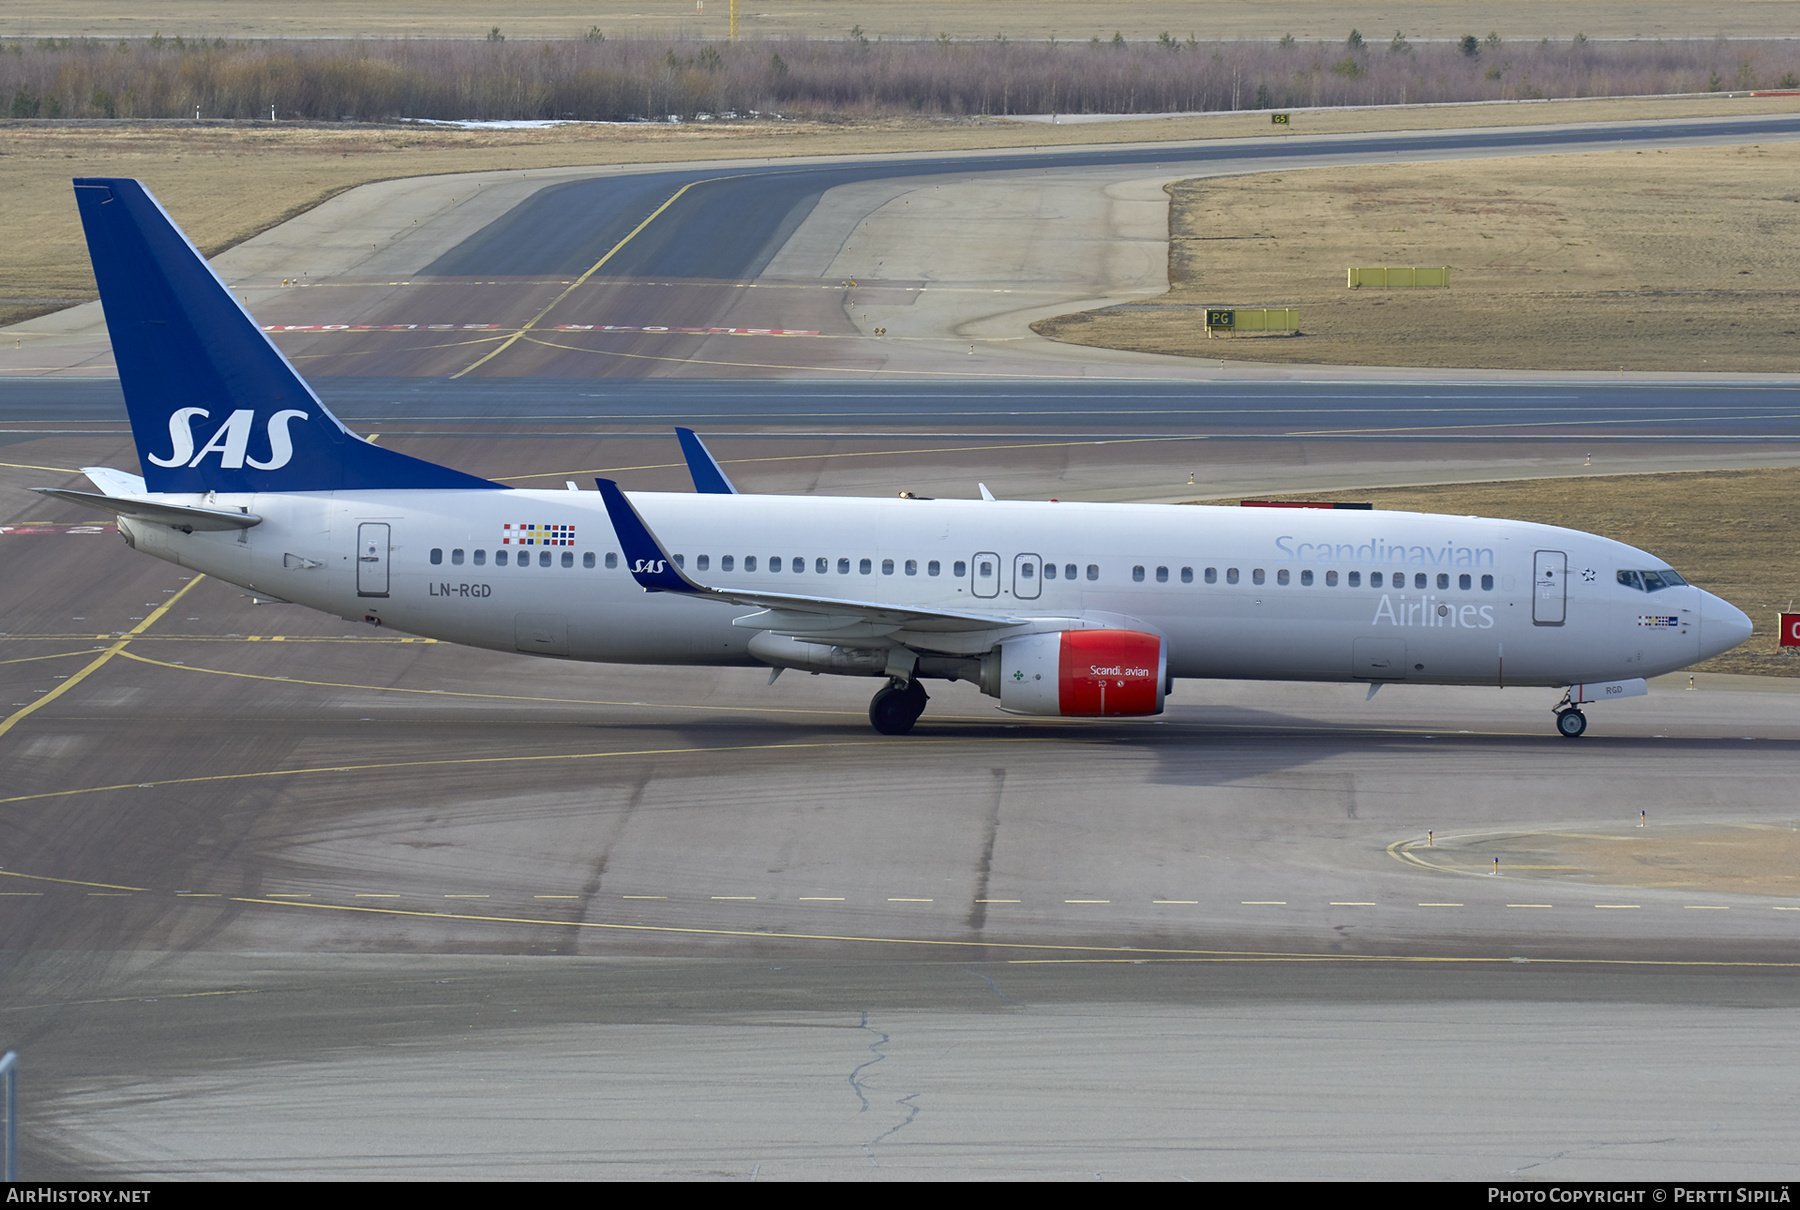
(1571, 723)
(895, 708)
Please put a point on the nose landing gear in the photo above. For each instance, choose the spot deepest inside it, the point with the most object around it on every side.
(897, 706)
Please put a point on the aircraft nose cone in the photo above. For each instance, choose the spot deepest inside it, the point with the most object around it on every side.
(1722, 625)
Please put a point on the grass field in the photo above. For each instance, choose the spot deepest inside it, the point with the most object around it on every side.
(1063, 19)
(1731, 533)
(1682, 259)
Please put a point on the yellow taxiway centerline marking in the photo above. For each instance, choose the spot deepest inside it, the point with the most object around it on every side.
(1128, 953)
(582, 280)
(61, 655)
(100, 661)
(492, 760)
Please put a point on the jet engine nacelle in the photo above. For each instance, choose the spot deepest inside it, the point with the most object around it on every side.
(1082, 673)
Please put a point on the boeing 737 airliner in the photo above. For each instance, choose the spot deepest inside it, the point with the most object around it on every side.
(1056, 609)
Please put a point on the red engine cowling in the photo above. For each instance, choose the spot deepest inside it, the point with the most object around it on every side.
(1083, 673)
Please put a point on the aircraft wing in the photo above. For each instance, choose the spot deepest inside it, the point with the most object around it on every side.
(782, 613)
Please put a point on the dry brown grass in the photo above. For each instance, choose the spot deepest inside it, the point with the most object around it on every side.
(225, 182)
(1731, 534)
(1681, 259)
(1063, 19)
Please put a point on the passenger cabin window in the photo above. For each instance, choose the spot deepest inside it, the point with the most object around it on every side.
(1049, 571)
(1231, 575)
(1281, 576)
(1137, 574)
(499, 558)
(1187, 575)
(587, 559)
(887, 567)
(959, 569)
(700, 562)
(1212, 575)
(612, 559)
(1256, 577)
(437, 556)
(864, 567)
(456, 557)
(1356, 579)
(568, 558)
(480, 559)
(543, 558)
(727, 562)
(1093, 571)
(932, 568)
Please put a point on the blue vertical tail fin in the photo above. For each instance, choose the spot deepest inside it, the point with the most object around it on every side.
(214, 405)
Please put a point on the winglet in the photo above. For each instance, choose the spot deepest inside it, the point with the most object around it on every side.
(709, 479)
(649, 564)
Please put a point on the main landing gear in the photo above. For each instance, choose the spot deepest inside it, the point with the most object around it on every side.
(1570, 722)
(897, 706)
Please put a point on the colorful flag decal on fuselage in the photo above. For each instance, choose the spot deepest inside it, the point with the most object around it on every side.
(537, 535)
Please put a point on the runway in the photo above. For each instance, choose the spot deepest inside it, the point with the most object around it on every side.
(282, 895)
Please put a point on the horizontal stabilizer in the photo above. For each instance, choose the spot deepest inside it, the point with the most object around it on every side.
(177, 516)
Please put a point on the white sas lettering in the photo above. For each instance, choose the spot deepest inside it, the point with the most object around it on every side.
(181, 437)
(650, 566)
(281, 445)
(231, 441)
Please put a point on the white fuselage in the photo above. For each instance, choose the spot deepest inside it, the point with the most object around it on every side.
(1290, 594)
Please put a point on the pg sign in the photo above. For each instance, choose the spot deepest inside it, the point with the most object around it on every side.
(1221, 319)
(1790, 631)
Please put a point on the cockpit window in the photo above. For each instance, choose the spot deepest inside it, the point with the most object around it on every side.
(1651, 581)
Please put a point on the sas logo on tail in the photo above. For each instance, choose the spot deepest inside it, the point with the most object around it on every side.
(653, 567)
(231, 442)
